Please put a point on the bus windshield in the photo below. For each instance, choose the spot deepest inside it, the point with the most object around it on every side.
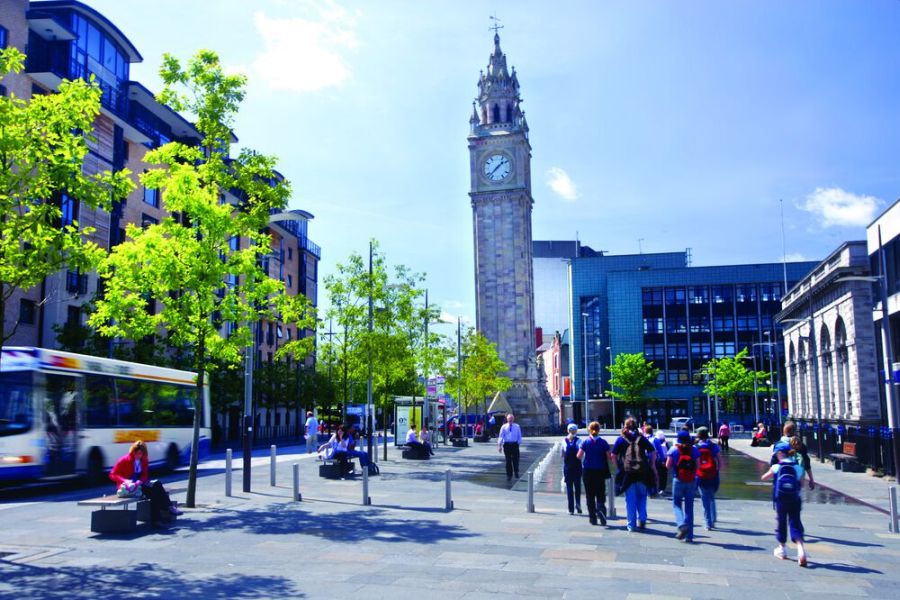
(16, 402)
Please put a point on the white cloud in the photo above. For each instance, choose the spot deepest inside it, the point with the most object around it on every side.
(560, 182)
(835, 207)
(795, 257)
(306, 54)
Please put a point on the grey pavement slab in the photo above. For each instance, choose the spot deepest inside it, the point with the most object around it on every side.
(263, 545)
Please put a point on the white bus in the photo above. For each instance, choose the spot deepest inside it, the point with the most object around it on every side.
(63, 413)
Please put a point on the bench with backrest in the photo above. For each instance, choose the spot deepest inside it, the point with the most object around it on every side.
(126, 519)
(846, 460)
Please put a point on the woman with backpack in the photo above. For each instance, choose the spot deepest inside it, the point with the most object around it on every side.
(682, 461)
(707, 475)
(636, 460)
(571, 455)
(788, 475)
(595, 452)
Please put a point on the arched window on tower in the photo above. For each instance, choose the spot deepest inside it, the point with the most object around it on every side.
(495, 116)
(484, 116)
(509, 113)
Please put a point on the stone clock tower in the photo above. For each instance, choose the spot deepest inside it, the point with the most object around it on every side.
(500, 167)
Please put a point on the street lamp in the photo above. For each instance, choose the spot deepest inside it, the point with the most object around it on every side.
(584, 318)
(774, 347)
(771, 346)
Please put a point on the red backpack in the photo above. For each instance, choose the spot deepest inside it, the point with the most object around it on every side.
(706, 469)
(686, 467)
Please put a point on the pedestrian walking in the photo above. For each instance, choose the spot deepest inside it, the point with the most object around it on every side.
(312, 427)
(596, 454)
(707, 475)
(789, 431)
(682, 461)
(788, 479)
(571, 454)
(508, 443)
(662, 450)
(636, 461)
(724, 435)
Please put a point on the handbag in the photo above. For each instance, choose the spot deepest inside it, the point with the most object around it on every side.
(129, 489)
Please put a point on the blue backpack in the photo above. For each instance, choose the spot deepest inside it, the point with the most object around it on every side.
(787, 485)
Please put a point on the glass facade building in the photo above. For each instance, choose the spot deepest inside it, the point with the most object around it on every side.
(680, 317)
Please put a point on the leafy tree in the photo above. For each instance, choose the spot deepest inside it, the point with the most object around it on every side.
(631, 377)
(43, 143)
(182, 266)
(480, 374)
(728, 377)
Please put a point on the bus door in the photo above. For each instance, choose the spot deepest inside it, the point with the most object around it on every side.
(61, 426)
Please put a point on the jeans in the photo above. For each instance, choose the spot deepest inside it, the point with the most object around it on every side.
(788, 513)
(636, 503)
(683, 494)
(362, 455)
(708, 489)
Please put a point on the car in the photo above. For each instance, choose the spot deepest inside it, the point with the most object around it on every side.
(679, 422)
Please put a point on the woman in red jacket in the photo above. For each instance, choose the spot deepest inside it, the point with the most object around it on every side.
(135, 466)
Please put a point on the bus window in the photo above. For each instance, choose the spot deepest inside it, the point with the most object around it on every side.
(16, 402)
(99, 411)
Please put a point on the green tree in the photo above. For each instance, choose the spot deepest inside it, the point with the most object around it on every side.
(183, 265)
(43, 143)
(480, 375)
(631, 377)
(728, 377)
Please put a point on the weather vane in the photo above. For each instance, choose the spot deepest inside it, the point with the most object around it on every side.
(496, 26)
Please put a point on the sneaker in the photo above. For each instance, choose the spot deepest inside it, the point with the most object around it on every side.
(709, 528)
(642, 525)
(174, 510)
(780, 553)
(602, 518)
(682, 533)
(688, 540)
(578, 509)
(571, 512)
(801, 560)
(630, 528)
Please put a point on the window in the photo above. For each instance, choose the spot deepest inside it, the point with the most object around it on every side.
(723, 323)
(699, 324)
(234, 243)
(76, 282)
(746, 323)
(653, 325)
(724, 349)
(3, 90)
(290, 254)
(69, 210)
(701, 350)
(678, 350)
(288, 330)
(746, 293)
(73, 316)
(279, 332)
(698, 295)
(676, 325)
(654, 351)
(151, 197)
(678, 376)
(27, 311)
(722, 293)
(290, 281)
(652, 296)
(4, 36)
(675, 296)
(147, 221)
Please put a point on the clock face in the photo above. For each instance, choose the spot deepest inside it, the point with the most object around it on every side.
(497, 167)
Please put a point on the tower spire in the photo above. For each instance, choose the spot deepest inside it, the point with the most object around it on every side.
(498, 90)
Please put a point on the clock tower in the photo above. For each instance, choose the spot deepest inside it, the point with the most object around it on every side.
(500, 169)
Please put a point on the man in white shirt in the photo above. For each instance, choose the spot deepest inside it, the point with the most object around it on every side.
(312, 428)
(508, 443)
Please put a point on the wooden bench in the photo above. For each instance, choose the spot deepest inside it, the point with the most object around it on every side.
(846, 460)
(460, 442)
(337, 468)
(125, 520)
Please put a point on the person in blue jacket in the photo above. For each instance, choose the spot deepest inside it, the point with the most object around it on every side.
(596, 455)
(572, 468)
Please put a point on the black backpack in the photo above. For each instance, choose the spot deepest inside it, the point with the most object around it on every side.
(373, 469)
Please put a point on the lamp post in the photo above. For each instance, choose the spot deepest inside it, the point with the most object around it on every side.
(584, 318)
(774, 347)
(613, 398)
(369, 345)
(755, 389)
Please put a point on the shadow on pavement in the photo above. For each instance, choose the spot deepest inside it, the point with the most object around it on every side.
(812, 539)
(843, 568)
(356, 525)
(141, 580)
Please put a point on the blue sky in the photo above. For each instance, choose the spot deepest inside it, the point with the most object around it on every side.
(679, 124)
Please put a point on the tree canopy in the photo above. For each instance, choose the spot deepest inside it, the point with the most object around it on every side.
(729, 377)
(479, 375)
(631, 377)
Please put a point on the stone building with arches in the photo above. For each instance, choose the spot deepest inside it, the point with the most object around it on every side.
(832, 369)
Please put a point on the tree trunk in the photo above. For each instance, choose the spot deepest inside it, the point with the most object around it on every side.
(195, 437)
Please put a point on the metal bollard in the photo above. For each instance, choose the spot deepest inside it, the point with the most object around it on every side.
(365, 495)
(895, 517)
(531, 491)
(448, 503)
(611, 498)
(228, 472)
(274, 452)
(297, 496)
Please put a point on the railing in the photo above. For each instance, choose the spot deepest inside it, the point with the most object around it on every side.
(873, 444)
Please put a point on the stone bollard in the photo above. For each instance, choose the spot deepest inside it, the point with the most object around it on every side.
(531, 491)
(448, 502)
(228, 472)
(274, 453)
(611, 498)
(895, 517)
(297, 496)
(365, 487)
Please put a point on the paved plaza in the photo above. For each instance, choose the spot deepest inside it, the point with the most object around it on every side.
(264, 545)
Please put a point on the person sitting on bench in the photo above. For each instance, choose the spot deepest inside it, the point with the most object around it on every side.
(362, 455)
(413, 443)
(425, 438)
(135, 466)
(336, 446)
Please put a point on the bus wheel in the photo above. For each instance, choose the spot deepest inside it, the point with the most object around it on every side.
(173, 459)
(95, 466)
